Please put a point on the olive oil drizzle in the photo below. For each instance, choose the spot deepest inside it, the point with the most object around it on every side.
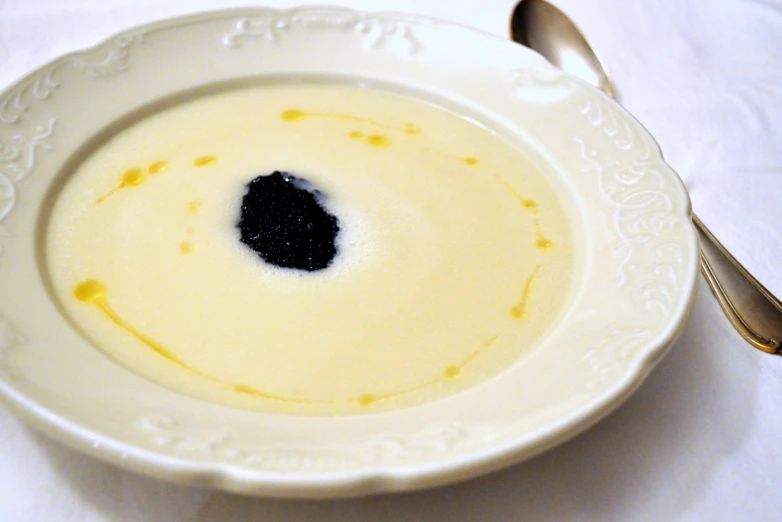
(204, 161)
(93, 291)
(379, 141)
(519, 310)
(450, 373)
(298, 115)
(136, 176)
(541, 242)
(375, 140)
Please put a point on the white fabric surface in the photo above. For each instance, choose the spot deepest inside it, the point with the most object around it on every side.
(699, 441)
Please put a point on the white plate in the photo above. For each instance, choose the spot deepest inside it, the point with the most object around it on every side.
(631, 215)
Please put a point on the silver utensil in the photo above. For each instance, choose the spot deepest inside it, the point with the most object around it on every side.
(751, 308)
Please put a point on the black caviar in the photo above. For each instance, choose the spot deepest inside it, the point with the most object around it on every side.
(284, 222)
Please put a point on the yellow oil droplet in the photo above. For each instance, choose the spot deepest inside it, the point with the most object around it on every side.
(186, 247)
(90, 291)
(204, 161)
(356, 134)
(452, 372)
(471, 161)
(133, 178)
(411, 129)
(526, 203)
(158, 166)
(293, 115)
(243, 388)
(379, 141)
(195, 207)
(544, 244)
(490, 341)
(130, 178)
(367, 399)
(519, 310)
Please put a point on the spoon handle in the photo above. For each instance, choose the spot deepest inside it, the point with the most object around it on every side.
(752, 309)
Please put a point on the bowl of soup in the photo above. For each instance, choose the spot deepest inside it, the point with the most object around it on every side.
(319, 253)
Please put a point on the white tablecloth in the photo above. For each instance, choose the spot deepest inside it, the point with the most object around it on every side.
(699, 441)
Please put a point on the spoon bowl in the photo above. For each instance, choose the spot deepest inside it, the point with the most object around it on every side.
(541, 26)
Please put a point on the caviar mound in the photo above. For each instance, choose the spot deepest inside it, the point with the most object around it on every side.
(284, 222)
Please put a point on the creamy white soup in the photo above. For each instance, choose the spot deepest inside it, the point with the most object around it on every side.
(453, 252)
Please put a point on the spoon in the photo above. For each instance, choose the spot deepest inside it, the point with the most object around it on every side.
(751, 308)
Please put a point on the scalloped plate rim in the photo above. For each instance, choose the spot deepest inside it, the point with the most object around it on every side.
(375, 478)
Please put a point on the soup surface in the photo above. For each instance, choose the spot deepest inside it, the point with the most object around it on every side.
(453, 252)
